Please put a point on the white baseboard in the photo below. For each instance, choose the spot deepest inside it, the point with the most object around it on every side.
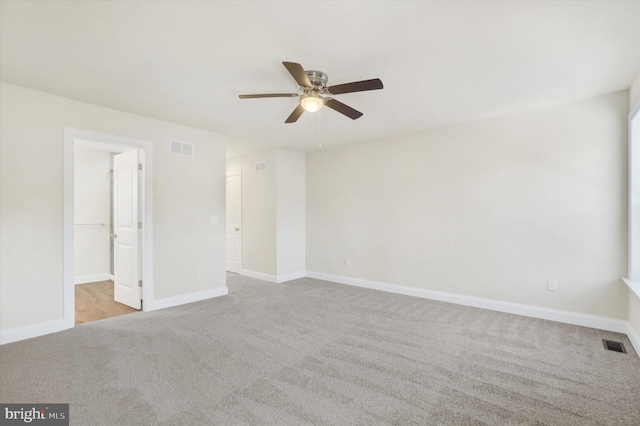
(273, 278)
(84, 279)
(292, 276)
(183, 299)
(602, 323)
(259, 275)
(29, 331)
(592, 321)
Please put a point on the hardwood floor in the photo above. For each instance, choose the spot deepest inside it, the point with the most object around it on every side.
(94, 301)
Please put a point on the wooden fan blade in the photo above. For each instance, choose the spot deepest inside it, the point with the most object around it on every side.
(298, 73)
(270, 95)
(343, 109)
(295, 115)
(357, 86)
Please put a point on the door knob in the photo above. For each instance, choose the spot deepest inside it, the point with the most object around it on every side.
(237, 229)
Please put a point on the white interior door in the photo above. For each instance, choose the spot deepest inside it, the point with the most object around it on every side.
(126, 247)
(234, 223)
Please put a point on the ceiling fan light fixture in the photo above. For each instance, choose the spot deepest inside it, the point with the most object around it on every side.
(311, 102)
(313, 85)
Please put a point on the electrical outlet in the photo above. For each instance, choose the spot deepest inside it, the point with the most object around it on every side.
(347, 261)
(214, 219)
(200, 272)
(552, 285)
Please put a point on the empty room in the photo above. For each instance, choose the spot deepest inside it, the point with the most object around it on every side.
(320, 212)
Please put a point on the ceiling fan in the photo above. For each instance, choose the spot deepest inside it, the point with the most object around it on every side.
(316, 93)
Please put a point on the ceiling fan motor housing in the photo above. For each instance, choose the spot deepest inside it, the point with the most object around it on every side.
(317, 78)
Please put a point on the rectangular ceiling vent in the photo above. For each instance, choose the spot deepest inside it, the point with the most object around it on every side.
(181, 148)
(261, 166)
(611, 345)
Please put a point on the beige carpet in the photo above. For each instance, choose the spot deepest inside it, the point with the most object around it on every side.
(313, 352)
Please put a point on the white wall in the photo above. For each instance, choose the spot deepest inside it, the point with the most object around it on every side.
(634, 91)
(186, 192)
(92, 193)
(491, 208)
(290, 187)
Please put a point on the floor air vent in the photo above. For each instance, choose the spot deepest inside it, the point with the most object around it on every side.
(610, 345)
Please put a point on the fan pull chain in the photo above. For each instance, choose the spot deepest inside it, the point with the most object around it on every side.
(320, 129)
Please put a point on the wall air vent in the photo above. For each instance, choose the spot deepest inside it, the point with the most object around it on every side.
(181, 148)
(610, 345)
(261, 166)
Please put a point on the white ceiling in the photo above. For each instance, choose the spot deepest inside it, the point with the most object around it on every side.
(441, 62)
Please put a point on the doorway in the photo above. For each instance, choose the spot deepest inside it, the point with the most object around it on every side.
(107, 225)
(105, 194)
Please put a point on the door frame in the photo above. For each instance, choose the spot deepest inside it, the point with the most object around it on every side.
(239, 236)
(146, 149)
